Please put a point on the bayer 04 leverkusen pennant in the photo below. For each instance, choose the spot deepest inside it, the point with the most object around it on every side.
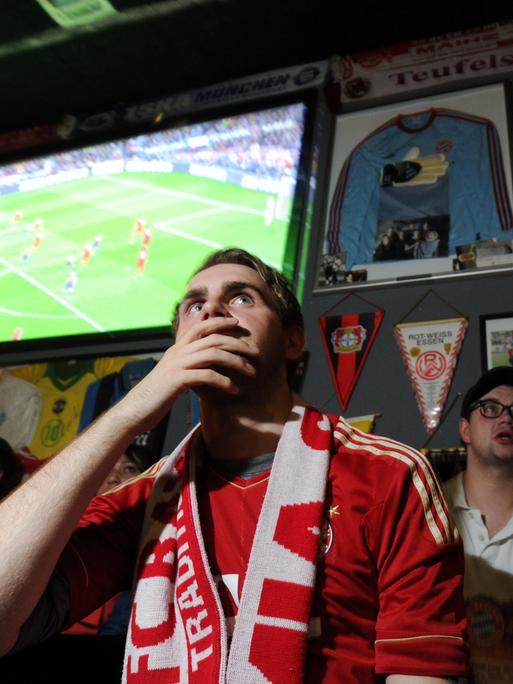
(347, 340)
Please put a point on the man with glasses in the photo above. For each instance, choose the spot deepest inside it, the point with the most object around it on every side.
(482, 503)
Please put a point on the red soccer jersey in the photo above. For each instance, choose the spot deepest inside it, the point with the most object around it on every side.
(389, 569)
(388, 589)
(229, 510)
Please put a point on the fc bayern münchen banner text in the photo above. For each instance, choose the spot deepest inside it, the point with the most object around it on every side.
(252, 88)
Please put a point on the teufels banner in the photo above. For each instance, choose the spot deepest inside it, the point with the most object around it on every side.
(430, 351)
(347, 340)
(404, 68)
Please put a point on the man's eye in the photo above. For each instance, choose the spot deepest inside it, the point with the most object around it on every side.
(195, 308)
(242, 299)
(131, 470)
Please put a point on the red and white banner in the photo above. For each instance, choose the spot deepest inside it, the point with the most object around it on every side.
(427, 63)
(430, 351)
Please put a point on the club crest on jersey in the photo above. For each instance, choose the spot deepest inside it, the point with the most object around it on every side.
(444, 146)
(326, 538)
(486, 622)
(348, 339)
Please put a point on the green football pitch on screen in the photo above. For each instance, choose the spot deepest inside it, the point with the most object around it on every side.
(74, 260)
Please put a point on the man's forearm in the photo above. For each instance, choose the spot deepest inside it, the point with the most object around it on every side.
(38, 518)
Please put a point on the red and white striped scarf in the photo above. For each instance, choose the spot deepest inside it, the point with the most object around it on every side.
(177, 629)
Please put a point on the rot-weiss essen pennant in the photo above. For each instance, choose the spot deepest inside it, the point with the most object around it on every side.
(347, 340)
(430, 351)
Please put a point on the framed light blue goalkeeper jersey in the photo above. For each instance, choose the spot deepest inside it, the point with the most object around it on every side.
(472, 194)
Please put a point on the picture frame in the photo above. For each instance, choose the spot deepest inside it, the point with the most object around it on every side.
(496, 340)
(427, 225)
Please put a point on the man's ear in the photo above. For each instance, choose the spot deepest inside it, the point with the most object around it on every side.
(464, 427)
(294, 341)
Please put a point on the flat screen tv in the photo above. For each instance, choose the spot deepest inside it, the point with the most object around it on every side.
(97, 242)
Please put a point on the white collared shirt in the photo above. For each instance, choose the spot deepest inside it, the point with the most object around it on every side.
(488, 589)
(488, 562)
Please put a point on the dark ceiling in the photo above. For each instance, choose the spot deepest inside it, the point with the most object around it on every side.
(149, 49)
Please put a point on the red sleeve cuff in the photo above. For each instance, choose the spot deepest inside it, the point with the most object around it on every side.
(428, 655)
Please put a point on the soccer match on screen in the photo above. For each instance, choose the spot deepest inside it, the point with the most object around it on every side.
(103, 238)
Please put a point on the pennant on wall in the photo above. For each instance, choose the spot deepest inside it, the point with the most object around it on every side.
(430, 351)
(347, 340)
(366, 423)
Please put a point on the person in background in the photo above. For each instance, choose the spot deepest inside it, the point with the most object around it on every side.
(481, 498)
(129, 465)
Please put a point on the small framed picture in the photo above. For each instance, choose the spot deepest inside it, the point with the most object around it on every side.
(332, 272)
(496, 340)
(483, 254)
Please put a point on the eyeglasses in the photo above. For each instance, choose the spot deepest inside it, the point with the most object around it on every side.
(491, 408)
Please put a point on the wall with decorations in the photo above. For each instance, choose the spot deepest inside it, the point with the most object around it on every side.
(383, 386)
(435, 133)
(417, 198)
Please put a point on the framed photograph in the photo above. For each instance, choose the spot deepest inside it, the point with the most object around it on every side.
(411, 182)
(484, 253)
(496, 340)
(332, 272)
